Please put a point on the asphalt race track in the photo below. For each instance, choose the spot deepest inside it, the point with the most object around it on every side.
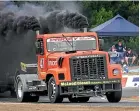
(127, 99)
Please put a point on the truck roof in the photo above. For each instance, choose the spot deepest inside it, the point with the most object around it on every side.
(67, 34)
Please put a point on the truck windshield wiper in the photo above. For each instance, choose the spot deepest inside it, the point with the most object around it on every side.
(68, 42)
(72, 51)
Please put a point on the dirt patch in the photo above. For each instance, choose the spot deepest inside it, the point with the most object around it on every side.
(133, 98)
(55, 107)
(133, 73)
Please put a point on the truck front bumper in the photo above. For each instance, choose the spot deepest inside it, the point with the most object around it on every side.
(90, 88)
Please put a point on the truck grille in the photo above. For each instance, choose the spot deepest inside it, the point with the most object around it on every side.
(88, 67)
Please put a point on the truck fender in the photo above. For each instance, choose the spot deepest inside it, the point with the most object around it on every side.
(22, 78)
(55, 73)
(26, 78)
(15, 76)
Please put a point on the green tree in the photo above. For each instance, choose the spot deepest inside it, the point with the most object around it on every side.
(101, 16)
(128, 9)
(99, 12)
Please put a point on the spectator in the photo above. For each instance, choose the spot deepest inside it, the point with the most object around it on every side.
(113, 58)
(120, 49)
(113, 49)
(130, 55)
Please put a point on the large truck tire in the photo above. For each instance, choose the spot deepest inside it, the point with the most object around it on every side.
(115, 97)
(54, 91)
(23, 96)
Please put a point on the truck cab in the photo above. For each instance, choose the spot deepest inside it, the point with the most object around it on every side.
(70, 65)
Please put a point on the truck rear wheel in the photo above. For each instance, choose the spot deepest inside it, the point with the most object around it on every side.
(54, 91)
(115, 96)
(23, 96)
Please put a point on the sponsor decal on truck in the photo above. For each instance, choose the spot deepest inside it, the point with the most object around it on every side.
(52, 61)
(90, 82)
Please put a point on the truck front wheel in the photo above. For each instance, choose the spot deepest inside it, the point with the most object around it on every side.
(115, 96)
(54, 91)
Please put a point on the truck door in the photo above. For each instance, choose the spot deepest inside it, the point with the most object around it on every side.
(40, 57)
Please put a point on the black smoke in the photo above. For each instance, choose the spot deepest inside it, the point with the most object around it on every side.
(17, 33)
(56, 21)
(19, 25)
(16, 43)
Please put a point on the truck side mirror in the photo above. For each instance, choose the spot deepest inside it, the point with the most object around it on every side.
(39, 47)
(101, 44)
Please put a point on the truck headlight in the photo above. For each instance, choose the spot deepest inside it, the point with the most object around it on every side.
(115, 72)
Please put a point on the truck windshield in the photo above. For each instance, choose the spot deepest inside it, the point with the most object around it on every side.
(71, 43)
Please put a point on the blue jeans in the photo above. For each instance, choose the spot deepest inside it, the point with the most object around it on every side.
(118, 58)
(115, 59)
(121, 55)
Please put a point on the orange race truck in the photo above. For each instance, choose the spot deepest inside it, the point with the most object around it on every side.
(69, 65)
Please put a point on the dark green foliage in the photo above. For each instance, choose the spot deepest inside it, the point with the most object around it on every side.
(106, 10)
(99, 12)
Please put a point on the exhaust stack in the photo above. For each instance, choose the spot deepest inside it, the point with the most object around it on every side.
(85, 29)
(37, 32)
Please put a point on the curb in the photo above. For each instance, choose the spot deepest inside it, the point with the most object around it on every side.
(130, 81)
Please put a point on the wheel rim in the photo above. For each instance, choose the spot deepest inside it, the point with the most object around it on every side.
(20, 93)
(53, 89)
